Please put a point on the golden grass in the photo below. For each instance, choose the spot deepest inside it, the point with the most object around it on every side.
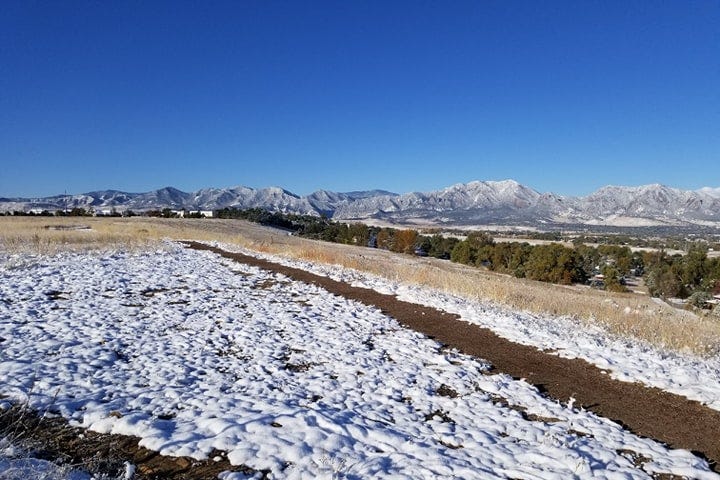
(50, 235)
(629, 315)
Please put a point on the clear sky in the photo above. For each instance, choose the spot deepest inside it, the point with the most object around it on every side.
(563, 96)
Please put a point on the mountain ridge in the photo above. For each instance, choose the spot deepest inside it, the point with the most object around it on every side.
(504, 202)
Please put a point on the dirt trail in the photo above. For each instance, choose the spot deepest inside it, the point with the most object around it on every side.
(649, 412)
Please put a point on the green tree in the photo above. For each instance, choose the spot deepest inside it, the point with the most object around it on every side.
(699, 299)
(79, 212)
(654, 258)
(463, 252)
(484, 254)
(424, 243)
(663, 281)
(501, 258)
(711, 282)
(335, 232)
(467, 251)
(612, 279)
(480, 239)
(521, 253)
(441, 247)
(693, 269)
(359, 234)
(588, 259)
(638, 263)
(553, 263)
(620, 256)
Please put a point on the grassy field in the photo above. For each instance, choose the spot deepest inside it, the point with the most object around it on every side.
(629, 315)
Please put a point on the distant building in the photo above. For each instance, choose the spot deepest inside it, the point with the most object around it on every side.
(193, 213)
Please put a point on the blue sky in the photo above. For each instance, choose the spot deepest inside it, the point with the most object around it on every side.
(563, 96)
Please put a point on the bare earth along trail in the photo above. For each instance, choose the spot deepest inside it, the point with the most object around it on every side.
(649, 412)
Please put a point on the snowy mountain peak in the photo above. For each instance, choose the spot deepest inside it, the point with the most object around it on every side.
(710, 191)
(505, 184)
(280, 191)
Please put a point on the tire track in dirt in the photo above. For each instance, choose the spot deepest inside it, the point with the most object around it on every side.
(646, 411)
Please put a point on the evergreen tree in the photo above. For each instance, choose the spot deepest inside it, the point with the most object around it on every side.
(464, 253)
(612, 279)
(553, 263)
(663, 281)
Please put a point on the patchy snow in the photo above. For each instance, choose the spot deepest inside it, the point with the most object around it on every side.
(624, 359)
(18, 464)
(192, 353)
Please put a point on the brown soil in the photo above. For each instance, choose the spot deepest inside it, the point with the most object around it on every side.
(52, 439)
(648, 412)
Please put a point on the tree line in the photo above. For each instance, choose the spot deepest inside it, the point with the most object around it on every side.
(553, 263)
(694, 275)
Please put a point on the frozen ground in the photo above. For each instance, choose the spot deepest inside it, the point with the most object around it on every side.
(17, 464)
(632, 361)
(193, 353)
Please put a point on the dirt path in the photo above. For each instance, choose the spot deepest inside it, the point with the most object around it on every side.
(649, 412)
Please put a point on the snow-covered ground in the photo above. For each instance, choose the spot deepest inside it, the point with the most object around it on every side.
(18, 464)
(192, 353)
(624, 359)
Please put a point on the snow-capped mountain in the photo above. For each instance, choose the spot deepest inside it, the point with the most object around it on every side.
(659, 202)
(271, 198)
(489, 203)
(481, 198)
(510, 203)
(326, 203)
(713, 192)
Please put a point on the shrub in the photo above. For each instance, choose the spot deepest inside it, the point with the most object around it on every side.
(699, 299)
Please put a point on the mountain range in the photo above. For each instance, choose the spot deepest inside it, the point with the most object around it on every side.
(475, 203)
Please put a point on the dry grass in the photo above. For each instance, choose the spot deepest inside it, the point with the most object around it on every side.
(629, 315)
(50, 235)
(624, 314)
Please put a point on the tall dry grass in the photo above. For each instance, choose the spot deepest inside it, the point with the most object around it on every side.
(630, 315)
(50, 235)
(47, 236)
(625, 314)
